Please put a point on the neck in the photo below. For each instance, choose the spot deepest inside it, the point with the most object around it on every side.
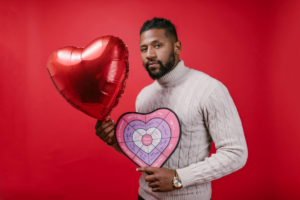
(176, 73)
(175, 64)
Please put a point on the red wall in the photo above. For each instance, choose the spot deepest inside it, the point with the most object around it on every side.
(48, 150)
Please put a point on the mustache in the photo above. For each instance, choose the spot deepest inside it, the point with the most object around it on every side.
(153, 60)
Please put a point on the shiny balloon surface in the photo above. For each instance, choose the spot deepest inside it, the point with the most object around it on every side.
(92, 79)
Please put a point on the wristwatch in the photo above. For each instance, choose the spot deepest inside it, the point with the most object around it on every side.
(176, 181)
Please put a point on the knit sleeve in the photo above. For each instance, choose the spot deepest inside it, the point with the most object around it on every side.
(225, 127)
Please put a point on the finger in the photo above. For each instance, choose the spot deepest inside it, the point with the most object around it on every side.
(110, 138)
(106, 131)
(150, 178)
(155, 189)
(98, 124)
(102, 127)
(153, 184)
(149, 170)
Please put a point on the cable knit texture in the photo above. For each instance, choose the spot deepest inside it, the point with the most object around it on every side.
(206, 113)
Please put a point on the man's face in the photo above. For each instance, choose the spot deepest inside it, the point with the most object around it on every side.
(157, 52)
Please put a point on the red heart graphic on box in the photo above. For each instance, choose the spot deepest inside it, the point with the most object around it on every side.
(148, 139)
(92, 79)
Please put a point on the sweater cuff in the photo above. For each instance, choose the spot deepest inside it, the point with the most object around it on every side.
(186, 176)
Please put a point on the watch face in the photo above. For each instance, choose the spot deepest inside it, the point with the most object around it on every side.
(177, 182)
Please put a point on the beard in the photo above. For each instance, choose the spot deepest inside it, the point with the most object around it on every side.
(163, 69)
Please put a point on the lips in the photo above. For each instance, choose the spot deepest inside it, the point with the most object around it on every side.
(152, 64)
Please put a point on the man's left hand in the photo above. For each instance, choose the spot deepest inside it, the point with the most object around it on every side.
(160, 179)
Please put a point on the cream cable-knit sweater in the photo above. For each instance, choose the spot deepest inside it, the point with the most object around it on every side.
(206, 113)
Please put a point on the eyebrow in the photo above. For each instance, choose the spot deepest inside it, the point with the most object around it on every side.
(154, 41)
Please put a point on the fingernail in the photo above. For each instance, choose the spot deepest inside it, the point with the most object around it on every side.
(113, 121)
(137, 169)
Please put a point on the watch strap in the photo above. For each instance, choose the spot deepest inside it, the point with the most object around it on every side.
(176, 177)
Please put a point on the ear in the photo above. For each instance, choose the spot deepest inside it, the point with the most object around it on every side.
(177, 47)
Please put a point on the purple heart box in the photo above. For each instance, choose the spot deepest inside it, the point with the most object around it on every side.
(148, 139)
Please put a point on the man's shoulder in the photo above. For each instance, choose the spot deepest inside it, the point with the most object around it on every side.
(206, 86)
(199, 74)
(205, 79)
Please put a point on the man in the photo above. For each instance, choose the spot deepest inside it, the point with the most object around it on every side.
(206, 113)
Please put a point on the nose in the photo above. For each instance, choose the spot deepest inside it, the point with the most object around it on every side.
(150, 53)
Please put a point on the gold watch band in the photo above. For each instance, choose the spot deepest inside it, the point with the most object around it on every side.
(176, 178)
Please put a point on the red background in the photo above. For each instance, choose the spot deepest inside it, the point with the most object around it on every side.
(48, 150)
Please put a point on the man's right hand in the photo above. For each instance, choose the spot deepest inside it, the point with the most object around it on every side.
(106, 131)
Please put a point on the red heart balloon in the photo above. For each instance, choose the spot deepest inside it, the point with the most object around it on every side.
(92, 79)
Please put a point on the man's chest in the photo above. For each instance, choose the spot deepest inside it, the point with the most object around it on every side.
(184, 101)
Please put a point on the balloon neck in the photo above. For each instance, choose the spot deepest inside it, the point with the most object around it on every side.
(107, 118)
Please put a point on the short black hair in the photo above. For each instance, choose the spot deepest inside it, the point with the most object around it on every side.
(160, 23)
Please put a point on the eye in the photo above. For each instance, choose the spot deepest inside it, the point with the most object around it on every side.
(143, 49)
(157, 45)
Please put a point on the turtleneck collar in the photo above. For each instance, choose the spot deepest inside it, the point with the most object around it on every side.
(175, 74)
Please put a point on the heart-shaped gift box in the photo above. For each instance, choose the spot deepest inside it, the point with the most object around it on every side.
(148, 139)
